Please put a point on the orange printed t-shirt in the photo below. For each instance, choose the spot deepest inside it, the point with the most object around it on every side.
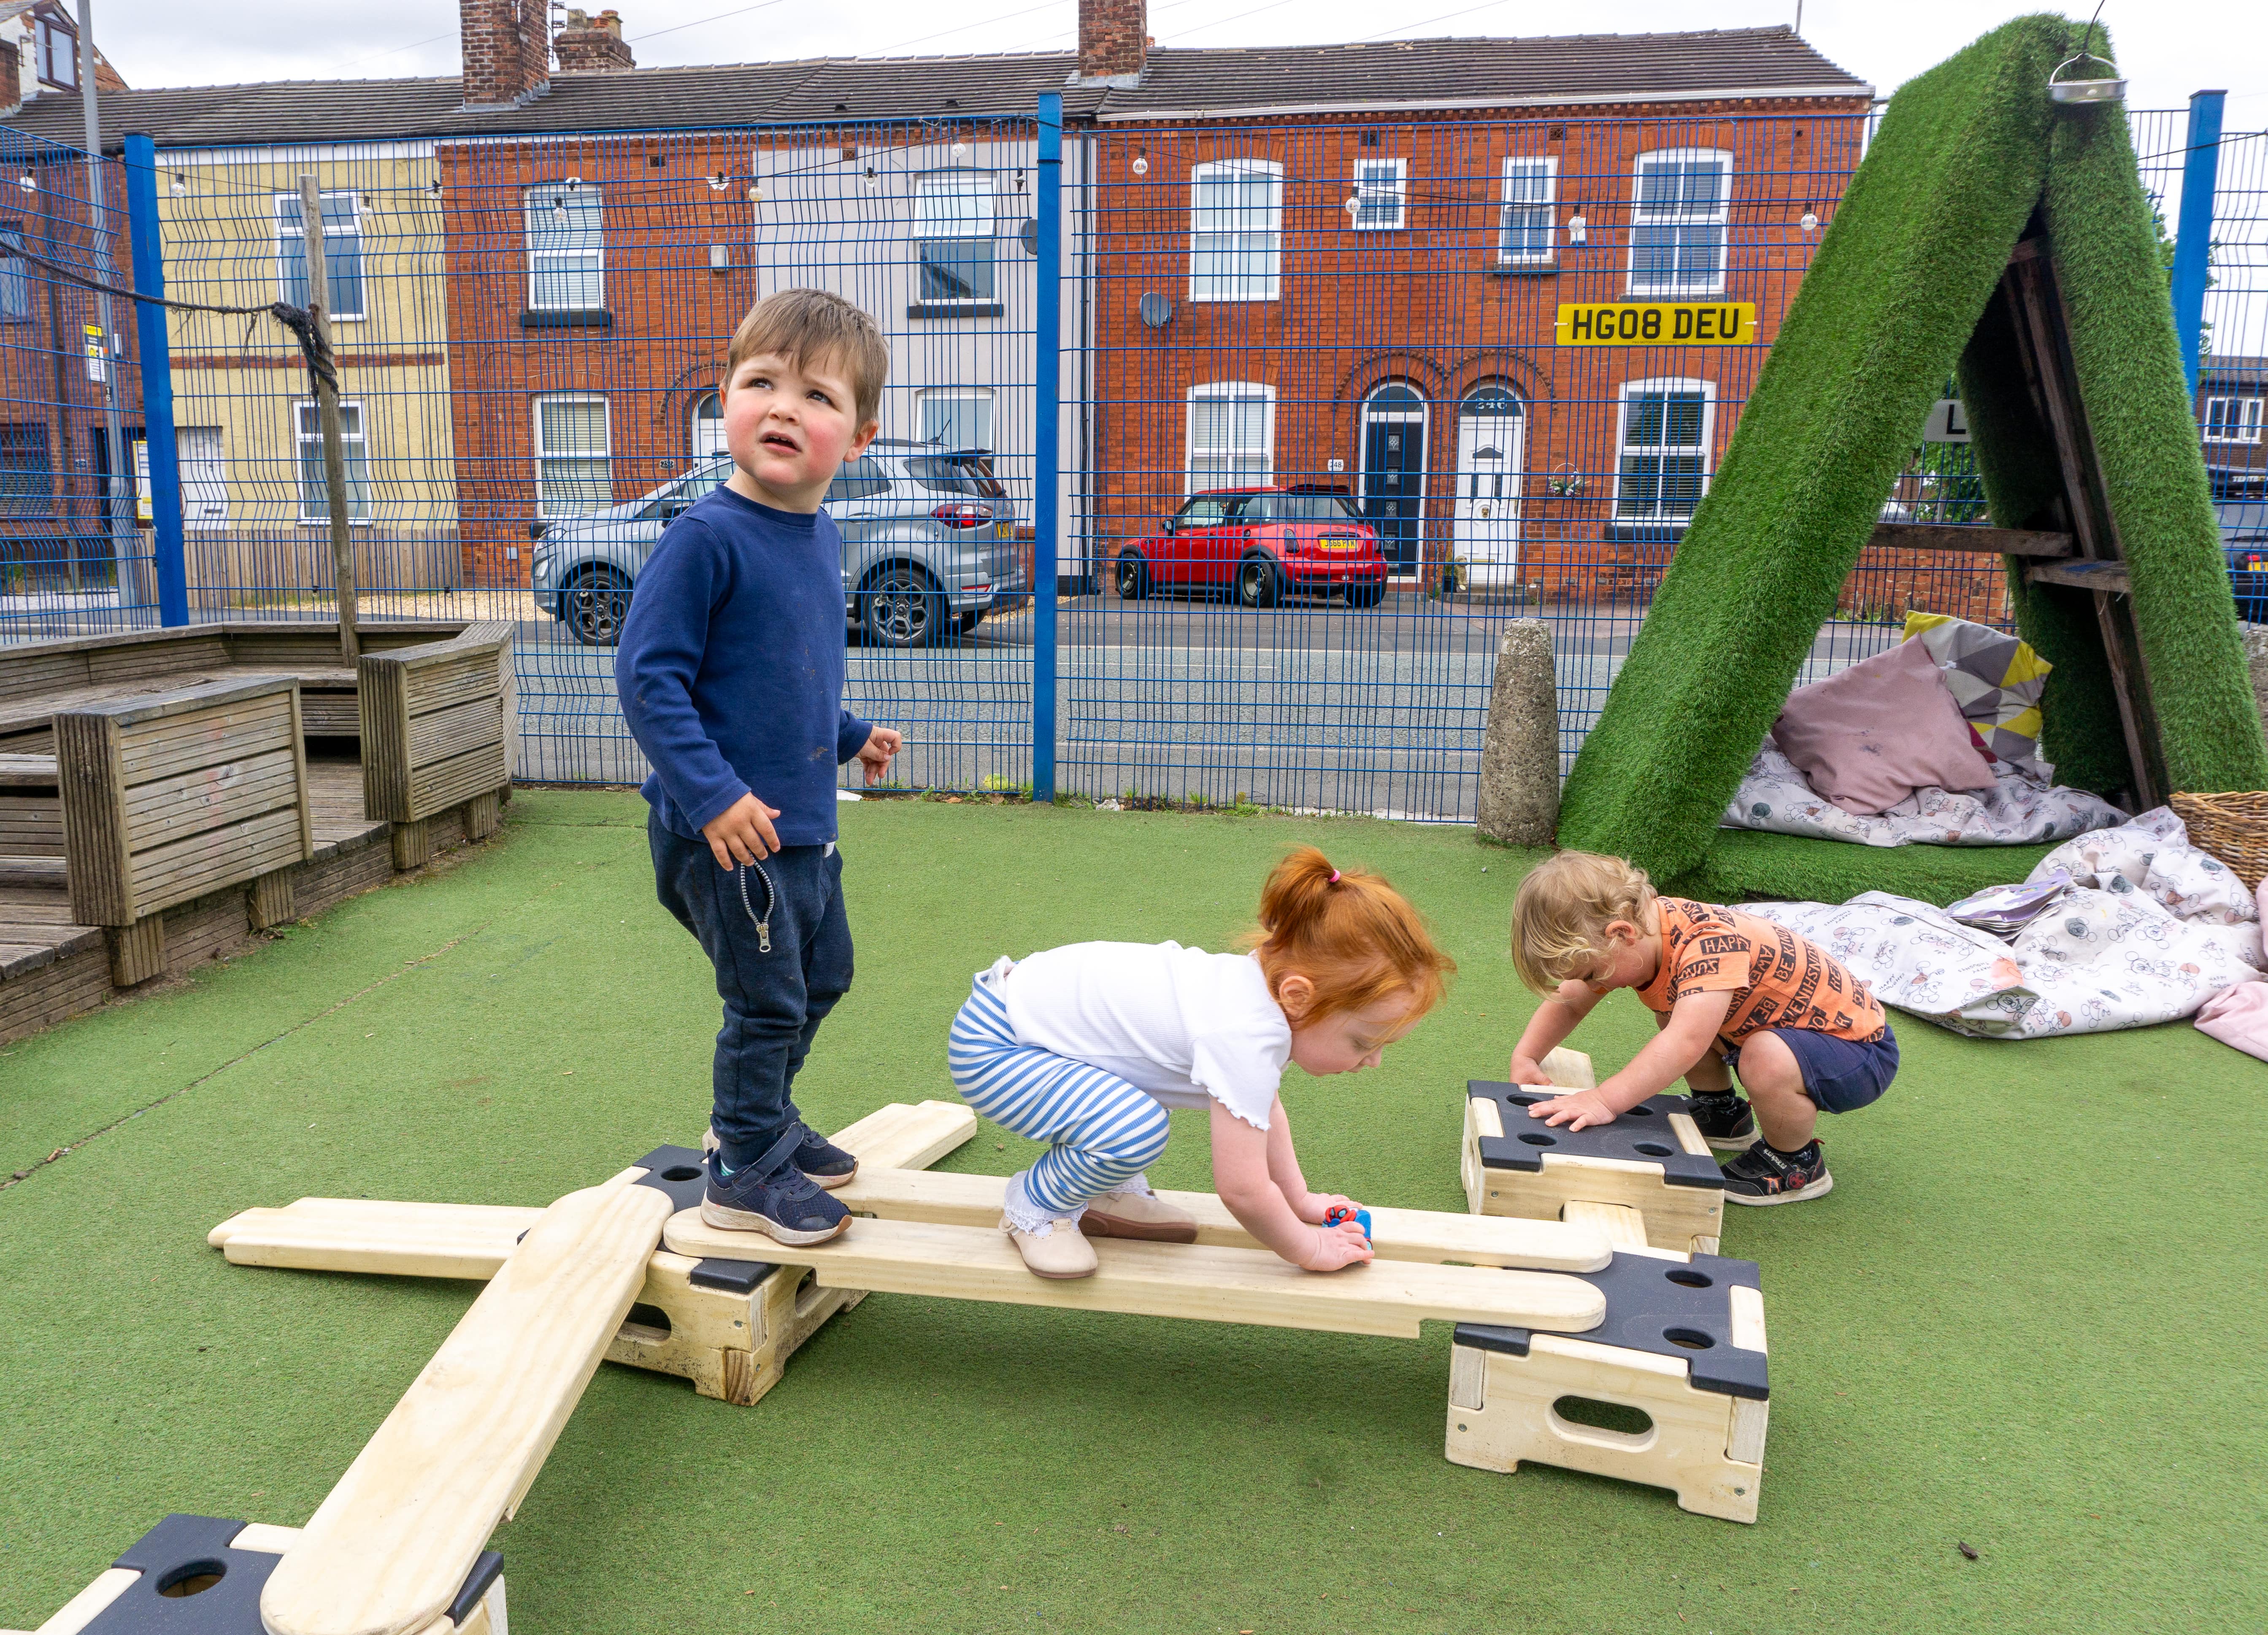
(1776, 978)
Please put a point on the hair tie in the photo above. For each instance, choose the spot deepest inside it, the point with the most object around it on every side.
(1335, 877)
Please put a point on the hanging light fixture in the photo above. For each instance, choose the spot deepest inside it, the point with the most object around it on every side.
(1578, 229)
(1141, 165)
(181, 184)
(873, 179)
(2108, 89)
(1809, 220)
(960, 153)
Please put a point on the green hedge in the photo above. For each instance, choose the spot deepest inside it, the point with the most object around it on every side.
(1965, 155)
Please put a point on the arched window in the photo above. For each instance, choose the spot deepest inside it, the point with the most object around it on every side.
(1492, 400)
(708, 435)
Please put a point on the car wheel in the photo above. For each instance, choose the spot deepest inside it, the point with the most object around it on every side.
(1259, 581)
(1366, 595)
(904, 607)
(1133, 576)
(594, 605)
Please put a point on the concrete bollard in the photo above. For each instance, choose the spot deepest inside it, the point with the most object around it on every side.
(1520, 754)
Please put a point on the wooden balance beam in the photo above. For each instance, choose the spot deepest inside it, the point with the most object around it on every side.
(1211, 1282)
(730, 1335)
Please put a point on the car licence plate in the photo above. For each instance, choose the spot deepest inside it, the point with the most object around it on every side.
(1339, 541)
(1004, 530)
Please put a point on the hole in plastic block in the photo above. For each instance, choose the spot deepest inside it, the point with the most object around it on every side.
(648, 1325)
(1637, 1112)
(1688, 1277)
(1619, 1417)
(1655, 1149)
(192, 1578)
(681, 1172)
(1691, 1339)
(1532, 1139)
(1523, 1101)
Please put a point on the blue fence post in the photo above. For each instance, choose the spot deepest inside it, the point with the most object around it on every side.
(1048, 350)
(2193, 238)
(157, 362)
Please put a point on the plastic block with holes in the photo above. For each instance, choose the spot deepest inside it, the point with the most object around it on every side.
(200, 1575)
(1652, 1160)
(728, 1325)
(1670, 1390)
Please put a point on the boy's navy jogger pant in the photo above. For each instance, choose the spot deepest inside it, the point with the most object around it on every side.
(774, 997)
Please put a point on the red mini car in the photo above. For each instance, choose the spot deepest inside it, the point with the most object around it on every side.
(1261, 545)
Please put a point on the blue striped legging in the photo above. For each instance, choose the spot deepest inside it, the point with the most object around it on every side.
(1100, 1130)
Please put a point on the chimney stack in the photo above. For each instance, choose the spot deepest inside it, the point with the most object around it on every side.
(12, 78)
(1113, 37)
(593, 45)
(506, 51)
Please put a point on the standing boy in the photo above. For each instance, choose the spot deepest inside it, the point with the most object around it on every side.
(1728, 990)
(730, 673)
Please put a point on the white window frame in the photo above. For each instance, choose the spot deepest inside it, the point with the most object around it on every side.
(1705, 446)
(694, 419)
(1400, 185)
(1233, 390)
(606, 405)
(1527, 164)
(957, 393)
(1264, 281)
(294, 232)
(354, 449)
(204, 485)
(1720, 219)
(542, 262)
(2233, 409)
(963, 181)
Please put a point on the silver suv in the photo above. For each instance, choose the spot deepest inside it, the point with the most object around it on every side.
(929, 545)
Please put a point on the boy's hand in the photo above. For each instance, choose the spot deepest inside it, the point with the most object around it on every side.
(1526, 1070)
(742, 832)
(1343, 1245)
(875, 754)
(1316, 1205)
(1579, 1111)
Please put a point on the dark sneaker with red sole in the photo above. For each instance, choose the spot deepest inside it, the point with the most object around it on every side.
(1761, 1175)
(1724, 1121)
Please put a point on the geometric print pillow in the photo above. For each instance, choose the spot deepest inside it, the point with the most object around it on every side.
(1995, 678)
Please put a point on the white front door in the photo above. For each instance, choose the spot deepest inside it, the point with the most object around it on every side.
(1488, 498)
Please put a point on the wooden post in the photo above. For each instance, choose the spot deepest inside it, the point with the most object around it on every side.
(327, 414)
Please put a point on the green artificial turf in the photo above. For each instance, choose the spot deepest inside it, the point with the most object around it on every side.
(1965, 155)
(1747, 865)
(2001, 1329)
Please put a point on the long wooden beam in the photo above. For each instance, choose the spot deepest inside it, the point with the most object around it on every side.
(1978, 541)
(1398, 1235)
(2110, 578)
(387, 1551)
(1192, 1280)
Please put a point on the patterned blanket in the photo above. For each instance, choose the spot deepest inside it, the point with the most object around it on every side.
(2016, 811)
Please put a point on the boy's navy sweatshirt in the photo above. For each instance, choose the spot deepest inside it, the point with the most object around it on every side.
(730, 667)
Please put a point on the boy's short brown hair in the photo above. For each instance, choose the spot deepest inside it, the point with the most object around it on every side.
(813, 327)
(1561, 913)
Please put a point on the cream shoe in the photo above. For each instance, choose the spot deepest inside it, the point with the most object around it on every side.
(1056, 1253)
(1137, 1215)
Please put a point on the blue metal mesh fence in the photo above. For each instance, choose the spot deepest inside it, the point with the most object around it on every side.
(1331, 412)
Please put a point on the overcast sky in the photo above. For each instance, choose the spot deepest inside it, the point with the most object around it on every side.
(2168, 48)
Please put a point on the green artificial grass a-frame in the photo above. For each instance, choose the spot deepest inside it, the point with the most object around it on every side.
(1972, 159)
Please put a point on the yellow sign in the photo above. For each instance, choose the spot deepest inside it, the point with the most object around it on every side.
(1657, 323)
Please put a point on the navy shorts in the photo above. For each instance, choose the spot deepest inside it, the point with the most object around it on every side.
(1839, 1075)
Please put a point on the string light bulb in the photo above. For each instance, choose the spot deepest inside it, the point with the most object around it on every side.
(873, 180)
(1578, 229)
(1810, 220)
(960, 153)
(1141, 165)
(181, 184)
(755, 193)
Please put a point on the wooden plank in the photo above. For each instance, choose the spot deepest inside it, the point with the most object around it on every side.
(2107, 577)
(443, 733)
(1569, 1069)
(1409, 1234)
(31, 668)
(202, 740)
(452, 783)
(382, 694)
(435, 682)
(137, 952)
(189, 867)
(28, 772)
(272, 900)
(32, 825)
(1619, 1224)
(1196, 1281)
(140, 659)
(166, 808)
(386, 1552)
(2031, 543)
(326, 713)
(35, 870)
(94, 820)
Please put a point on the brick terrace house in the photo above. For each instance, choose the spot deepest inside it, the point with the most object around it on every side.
(2231, 408)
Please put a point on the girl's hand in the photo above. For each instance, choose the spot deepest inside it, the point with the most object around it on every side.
(1526, 1070)
(1579, 1111)
(1316, 1205)
(1343, 1245)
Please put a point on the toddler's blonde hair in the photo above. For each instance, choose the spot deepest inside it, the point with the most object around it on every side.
(1560, 916)
(814, 328)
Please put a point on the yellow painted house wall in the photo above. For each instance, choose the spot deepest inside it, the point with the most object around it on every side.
(245, 377)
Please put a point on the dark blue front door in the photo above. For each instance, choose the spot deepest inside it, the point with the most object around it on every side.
(1394, 485)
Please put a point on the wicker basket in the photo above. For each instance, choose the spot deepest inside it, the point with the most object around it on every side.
(2233, 828)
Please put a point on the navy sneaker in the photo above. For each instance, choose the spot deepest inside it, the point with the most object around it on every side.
(773, 1196)
(1762, 1175)
(817, 1157)
(1724, 1120)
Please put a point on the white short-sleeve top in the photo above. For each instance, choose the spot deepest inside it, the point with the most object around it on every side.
(1184, 1026)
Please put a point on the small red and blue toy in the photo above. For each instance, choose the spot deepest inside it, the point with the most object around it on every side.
(1339, 1212)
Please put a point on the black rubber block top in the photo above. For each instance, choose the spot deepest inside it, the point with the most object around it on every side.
(486, 1567)
(734, 1276)
(678, 1171)
(1641, 1136)
(1672, 1309)
(185, 1549)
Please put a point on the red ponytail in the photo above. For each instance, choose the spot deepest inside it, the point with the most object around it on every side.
(1351, 934)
